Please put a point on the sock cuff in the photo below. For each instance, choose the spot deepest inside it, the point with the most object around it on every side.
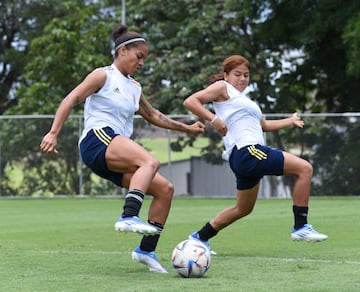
(207, 232)
(300, 209)
(213, 231)
(158, 226)
(136, 194)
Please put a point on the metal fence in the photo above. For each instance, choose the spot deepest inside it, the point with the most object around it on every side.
(331, 142)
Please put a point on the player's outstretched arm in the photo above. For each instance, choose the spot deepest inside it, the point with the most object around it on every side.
(161, 120)
(89, 85)
(274, 125)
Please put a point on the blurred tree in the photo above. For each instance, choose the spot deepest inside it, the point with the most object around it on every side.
(335, 156)
(189, 40)
(321, 40)
(69, 48)
(351, 38)
(20, 22)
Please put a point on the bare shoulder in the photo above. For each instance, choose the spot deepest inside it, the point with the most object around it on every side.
(97, 76)
(91, 84)
(218, 90)
(94, 80)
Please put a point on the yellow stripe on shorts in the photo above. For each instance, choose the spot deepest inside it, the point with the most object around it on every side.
(257, 153)
(102, 136)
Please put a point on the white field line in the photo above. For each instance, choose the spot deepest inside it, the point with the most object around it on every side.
(273, 259)
(305, 260)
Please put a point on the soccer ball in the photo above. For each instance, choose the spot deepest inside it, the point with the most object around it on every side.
(191, 258)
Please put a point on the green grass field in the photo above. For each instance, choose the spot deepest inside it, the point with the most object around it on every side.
(70, 245)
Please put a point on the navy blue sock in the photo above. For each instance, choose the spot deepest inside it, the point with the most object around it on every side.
(206, 232)
(300, 216)
(149, 242)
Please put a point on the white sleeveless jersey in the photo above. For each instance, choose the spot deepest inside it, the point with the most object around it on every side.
(242, 117)
(114, 105)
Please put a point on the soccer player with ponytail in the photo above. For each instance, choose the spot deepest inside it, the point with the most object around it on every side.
(112, 97)
(240, 122)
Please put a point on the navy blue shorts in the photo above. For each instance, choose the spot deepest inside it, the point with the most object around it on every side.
(251, 163)
(92, 150)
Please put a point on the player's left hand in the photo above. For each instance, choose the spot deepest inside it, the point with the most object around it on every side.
(297, 121)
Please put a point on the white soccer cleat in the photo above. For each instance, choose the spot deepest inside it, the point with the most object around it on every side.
(307, 233)
(149, 259)
(134, 224)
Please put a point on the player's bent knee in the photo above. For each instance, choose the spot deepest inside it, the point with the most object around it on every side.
(241, 212)
(165, 190)
(245, 213)
(170, 189)
(307, 169)
(154, 164)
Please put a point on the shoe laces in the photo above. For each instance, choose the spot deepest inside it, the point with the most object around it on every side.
(310, 228)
